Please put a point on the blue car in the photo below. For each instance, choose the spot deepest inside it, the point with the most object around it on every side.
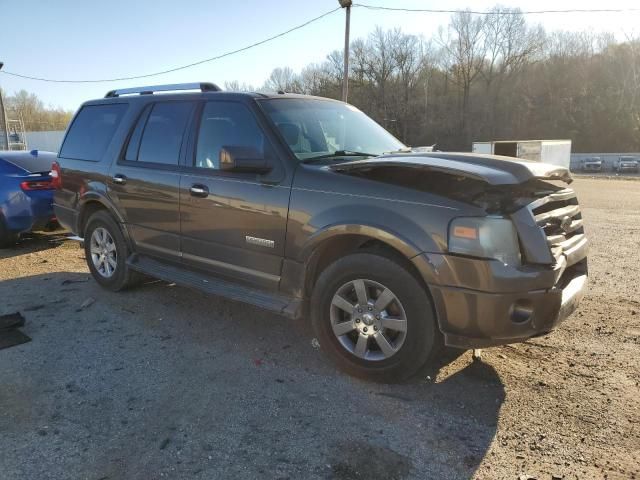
(27, 183)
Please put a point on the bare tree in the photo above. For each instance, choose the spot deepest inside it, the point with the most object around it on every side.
(235, 86)
(36, 116)
(408, 57)
(510, 45)
(487, 77)
(379, 64)
(283, 79)
(463, 54)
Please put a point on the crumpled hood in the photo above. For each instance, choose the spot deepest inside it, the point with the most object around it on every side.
(493, 169)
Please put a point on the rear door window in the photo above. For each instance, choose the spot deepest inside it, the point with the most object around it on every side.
(134, 141)
(92, 131)
(164, 132)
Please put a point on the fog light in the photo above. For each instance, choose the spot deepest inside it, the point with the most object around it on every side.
(521, 311)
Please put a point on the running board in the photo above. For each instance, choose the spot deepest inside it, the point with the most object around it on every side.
(280, 304)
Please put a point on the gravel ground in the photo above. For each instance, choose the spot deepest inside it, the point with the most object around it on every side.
(163, 382)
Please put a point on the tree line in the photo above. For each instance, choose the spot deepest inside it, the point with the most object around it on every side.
(478, 78)
(486, 77)
(36, 116)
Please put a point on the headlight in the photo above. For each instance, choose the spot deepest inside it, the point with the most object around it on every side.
(485, 237)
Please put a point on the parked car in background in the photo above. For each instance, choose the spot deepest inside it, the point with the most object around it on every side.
(306, 207)
(593, 164)
(626, 164)
(26, 192)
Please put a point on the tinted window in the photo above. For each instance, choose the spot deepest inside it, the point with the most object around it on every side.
(226, 124)
(91, 131)
(134, 141)
(163, 132)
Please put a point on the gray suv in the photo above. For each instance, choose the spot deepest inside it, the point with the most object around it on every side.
(306, 207)
(626, 164)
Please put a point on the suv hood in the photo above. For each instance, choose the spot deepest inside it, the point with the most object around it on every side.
(492, 169)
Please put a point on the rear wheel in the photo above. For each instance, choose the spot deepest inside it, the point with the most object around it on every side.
(374, 318)
(106, 252)
(7, 239)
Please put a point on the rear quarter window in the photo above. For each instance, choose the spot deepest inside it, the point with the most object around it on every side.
(92, 131)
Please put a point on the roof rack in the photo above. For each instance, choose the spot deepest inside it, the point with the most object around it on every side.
(203, 87)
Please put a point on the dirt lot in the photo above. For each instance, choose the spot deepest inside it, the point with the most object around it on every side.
(165, 382)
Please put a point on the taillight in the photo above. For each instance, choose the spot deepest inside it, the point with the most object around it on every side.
(37, 185)
(56, 176)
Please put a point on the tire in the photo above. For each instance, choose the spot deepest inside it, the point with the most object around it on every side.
(410, 349)
(111, 273)
(7, 239)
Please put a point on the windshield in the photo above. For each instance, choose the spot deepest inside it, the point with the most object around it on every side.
(314, 128)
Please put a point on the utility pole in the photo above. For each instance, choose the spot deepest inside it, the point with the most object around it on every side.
(4, 131)
(345, 79)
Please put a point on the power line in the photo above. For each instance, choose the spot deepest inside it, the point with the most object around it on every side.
(182, 67)
(315, 19)
(498, 12)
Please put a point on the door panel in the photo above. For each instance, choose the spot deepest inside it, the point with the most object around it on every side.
(149, 203)
(232, 224)
(145, 184)
(215, 228)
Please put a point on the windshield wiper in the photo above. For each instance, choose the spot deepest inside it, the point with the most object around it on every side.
(338, 153)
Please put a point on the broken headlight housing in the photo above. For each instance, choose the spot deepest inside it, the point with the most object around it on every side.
(485, 237)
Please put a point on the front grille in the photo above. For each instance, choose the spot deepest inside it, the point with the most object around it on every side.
(558, 215)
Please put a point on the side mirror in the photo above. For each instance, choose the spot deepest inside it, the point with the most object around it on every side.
(243, 159)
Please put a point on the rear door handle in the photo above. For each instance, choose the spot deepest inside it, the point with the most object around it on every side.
(119, 179)
(199, 191)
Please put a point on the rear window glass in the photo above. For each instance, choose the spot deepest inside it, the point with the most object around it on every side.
(92, 131)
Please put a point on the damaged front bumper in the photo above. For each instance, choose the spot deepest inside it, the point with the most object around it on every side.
(483, 303)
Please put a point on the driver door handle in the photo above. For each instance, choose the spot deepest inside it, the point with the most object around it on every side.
(198, 190)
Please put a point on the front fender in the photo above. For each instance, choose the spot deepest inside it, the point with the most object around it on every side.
(408, 228)
(375, 232)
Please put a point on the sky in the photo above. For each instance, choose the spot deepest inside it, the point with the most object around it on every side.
(80, 39)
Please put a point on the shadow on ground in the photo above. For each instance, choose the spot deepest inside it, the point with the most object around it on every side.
(32, 242)
(163, 381)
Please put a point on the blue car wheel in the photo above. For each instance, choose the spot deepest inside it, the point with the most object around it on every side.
(7, 239)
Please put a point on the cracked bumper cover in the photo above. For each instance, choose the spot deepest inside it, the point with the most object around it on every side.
(483, 303)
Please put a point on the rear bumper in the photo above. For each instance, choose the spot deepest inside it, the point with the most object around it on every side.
(493, 304)
(27, 213)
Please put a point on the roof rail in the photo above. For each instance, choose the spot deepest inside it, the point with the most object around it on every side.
(203, 87)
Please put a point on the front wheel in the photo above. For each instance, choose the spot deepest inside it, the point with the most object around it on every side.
(374, 318)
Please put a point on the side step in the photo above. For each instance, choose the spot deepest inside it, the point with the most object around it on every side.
(280, 304)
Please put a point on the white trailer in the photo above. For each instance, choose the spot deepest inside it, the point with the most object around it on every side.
(555, 152)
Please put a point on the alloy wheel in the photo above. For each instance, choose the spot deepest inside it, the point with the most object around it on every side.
(103, 252)
(368, 320)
